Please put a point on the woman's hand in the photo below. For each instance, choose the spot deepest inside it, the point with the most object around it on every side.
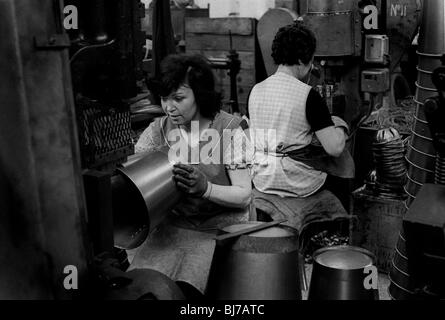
(190, 180)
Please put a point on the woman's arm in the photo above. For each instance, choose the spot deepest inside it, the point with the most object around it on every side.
(238, 195)
(333, 140)
(237, 161)
(329, 130)
(194, 183)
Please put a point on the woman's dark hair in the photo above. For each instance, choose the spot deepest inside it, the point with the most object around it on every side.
(195, 71)
(293, 43)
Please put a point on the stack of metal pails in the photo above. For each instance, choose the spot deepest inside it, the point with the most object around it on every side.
(390, 164)
(421, 152)
(440, 169)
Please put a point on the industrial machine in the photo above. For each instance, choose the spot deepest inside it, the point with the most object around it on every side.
(69, 102)
(67, 127)
(358, 61)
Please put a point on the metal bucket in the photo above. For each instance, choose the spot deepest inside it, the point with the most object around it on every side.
(339, 274)
(412, 189)
(143, 194)
(422, 128)
(419, 174)
(258, 266)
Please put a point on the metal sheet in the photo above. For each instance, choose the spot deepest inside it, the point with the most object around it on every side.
(152, 175)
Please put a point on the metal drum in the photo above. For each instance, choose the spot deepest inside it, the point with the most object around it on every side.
(339, 274)
(258, 266)
(143, 194)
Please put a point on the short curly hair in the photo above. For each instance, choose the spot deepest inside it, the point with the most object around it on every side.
(195, 71)
(293, 43)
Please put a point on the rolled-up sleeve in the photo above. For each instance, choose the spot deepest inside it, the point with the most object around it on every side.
(149, 139)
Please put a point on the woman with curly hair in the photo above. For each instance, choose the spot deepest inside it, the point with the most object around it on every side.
(217, 187)
(287, 104)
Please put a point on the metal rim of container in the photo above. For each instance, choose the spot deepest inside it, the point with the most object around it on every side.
(402, 237)
(393, 140)
(344, 247)
(425, 88)
(400, 254)
(414, 181)
(390, 295)
(423, 71)
(417, 167)
(406, 205)
(423, 153)
(404, 188)
(431, 55)
(420, 120)
(400, 287)
(410, 201)
(398, 270)
(418, 102)
(423, 137)
(410, 187)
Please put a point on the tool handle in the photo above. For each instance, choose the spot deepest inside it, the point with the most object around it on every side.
(249, 230)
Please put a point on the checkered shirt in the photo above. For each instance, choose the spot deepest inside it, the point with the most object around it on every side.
(279, 103)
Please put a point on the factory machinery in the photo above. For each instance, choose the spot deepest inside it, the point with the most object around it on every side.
(358, 71)
(358, 60)
(66, 132)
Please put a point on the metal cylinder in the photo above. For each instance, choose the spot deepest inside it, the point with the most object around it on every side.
(143, 194)
(339, 274)
(259, 266)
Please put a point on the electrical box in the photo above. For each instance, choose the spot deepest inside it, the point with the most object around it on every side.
(375, 80)
(377, 49)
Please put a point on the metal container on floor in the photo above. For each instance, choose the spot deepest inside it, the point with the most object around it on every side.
(401, 287)
(259, 266)
(431, 49)
(339, 274)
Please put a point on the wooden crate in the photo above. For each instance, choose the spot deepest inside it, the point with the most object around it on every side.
(378, 226)
(210, 37)
(177, 18)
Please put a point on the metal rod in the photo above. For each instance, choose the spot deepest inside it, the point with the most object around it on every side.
(249, 230)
